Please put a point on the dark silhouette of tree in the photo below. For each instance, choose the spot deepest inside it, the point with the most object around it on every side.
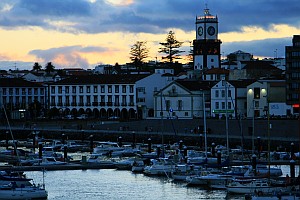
(138, 53)
(49, 68)
(117, 67)
(171, 48)
(36, 67)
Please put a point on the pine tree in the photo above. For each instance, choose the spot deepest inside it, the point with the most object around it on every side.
(171, 48)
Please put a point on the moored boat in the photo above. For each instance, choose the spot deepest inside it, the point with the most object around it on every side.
(12, 192)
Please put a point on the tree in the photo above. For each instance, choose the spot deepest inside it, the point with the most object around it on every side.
(49, 68)
(36, 66)
(170, 47)
(139, 52)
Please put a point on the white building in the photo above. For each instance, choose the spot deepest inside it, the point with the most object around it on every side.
(146, 88)
(100, 96)
(182, 99)
(264, 95)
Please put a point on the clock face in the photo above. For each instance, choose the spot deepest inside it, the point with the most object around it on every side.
(200, 31)
(211, 30)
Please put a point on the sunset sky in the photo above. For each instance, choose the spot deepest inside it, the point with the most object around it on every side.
(84, 33)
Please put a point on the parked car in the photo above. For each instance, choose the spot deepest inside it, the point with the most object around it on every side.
(114, 118)
(83, 116)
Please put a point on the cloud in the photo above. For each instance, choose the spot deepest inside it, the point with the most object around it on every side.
(153, 16)
(262, 48)
(71, 56)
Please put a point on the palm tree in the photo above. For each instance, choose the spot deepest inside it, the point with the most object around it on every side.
(49, 68)
(36, 67)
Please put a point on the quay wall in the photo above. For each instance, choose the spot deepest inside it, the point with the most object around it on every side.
(281, 134)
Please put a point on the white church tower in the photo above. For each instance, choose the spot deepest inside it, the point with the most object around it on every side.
(206, 54)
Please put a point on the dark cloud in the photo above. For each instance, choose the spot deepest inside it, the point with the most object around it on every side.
(56, 8)
(263, 48)
(153, 16)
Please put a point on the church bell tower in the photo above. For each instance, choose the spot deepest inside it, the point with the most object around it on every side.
(206, 54)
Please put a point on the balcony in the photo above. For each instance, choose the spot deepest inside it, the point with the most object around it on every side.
(87, 104)
(59, 104)
(102, 103)
(131, 104)
(116, 104)
(109, 103)
(95, 103)
(53, 104)
(81, 104)
(74, 104)
(67, 104)
(124, 104)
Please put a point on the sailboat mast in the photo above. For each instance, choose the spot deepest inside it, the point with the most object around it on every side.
(204, 124)
(226, 116)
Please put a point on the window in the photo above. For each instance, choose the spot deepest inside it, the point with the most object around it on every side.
(223, 93)
(67, 89)
(217, 105)
(52, 90)
(179, 105)
(141, 89)
(59, 89)
(109, 88)
(141, 100)
(80, 89)
(73, 89)
(217, 93)
(116, 89)
(88, 89)
(131, 88)
(223, 105)
(17, 91)
(95, 89)
(168, 105)
(88, 100)
(229, 93)
(229, 105)
(35, 91)
(124, 88)
(80, 100)
(256, 93)
(102, 89)
(256, 104)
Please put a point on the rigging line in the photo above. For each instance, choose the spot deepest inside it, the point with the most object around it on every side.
(12, 137)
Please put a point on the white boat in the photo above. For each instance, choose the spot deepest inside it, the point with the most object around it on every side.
(161, 166)
(264, 170)
(107, 148)
(18, 177)
(196, 179)
(125, 164)
(46, 161)
(100, 159)
(184, 170)
(12, 191)
(250, 186)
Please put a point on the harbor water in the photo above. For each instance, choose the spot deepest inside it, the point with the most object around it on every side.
(112, 184)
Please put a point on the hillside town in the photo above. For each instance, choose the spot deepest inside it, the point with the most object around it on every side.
(238, 86)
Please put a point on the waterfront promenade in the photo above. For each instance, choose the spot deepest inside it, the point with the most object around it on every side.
(283, 132)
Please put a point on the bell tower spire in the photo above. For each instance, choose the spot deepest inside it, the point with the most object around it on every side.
(207, 46)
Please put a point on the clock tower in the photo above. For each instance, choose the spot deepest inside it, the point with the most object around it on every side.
(206, 54)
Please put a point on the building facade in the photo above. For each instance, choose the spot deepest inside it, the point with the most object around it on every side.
(99, 96)
(292, 54)
(22, 99)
